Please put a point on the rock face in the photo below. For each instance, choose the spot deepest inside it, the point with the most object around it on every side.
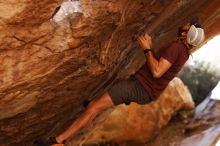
(137, 123)
(47, 70)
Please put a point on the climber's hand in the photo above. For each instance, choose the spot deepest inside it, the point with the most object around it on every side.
(145, 41)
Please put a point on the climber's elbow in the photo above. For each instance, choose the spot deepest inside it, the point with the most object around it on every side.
(157, 75)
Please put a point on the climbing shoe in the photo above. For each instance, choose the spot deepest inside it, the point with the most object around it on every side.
(51, 142)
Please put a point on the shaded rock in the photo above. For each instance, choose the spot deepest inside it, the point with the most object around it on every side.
(206, 114)
(204, 128)
(47, 71)
(208, 137)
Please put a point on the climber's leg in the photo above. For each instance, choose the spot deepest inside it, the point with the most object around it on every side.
(122, 92)
(94, 107)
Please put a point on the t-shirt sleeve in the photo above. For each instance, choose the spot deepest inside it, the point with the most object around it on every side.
(171, 53)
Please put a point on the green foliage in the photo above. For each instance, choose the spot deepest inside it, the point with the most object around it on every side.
(200, 79)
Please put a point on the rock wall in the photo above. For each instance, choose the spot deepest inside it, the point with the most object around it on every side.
(46, 71)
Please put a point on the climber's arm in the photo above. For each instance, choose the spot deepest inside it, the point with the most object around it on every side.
(158, 68)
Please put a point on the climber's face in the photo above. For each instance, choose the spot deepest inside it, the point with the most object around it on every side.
(184, 29)
(186, 26)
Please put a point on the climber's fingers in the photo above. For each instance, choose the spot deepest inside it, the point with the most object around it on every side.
(57, 145)
(140, 42)
(147, 36)
(144, 43)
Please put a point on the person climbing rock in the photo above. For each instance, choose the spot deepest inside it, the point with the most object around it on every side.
(146, 84)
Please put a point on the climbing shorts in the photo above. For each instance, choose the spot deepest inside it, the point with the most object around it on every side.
(128, 91)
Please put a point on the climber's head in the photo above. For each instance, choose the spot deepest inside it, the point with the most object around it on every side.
(192, 32)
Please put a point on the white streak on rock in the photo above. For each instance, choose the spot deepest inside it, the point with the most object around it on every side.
(67, 9)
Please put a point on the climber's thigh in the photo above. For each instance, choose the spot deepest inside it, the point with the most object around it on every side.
(128, 91)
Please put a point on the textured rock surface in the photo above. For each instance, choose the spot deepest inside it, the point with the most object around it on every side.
(46, 71)
(204, 128)
(137, 123)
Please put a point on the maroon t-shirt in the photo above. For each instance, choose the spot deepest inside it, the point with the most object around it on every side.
(176, 53)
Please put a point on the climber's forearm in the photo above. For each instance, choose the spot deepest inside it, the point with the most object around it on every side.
(157, 67)
(153, 64)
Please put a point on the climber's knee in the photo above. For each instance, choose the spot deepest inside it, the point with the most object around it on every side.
(98, 105)
(93, 108)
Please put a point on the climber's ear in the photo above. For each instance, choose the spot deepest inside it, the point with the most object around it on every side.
(184, 33)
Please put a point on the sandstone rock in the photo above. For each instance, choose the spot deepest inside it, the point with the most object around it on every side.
(46, 71)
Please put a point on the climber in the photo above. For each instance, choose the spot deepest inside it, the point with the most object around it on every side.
(147, 83)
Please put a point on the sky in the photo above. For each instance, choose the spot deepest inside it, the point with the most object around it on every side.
(218, 143)
(216, 93)
(210, 53)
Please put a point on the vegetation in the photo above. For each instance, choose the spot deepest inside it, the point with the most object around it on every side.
(200, 79)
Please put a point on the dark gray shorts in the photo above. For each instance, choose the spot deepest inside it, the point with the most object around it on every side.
(128, 91)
